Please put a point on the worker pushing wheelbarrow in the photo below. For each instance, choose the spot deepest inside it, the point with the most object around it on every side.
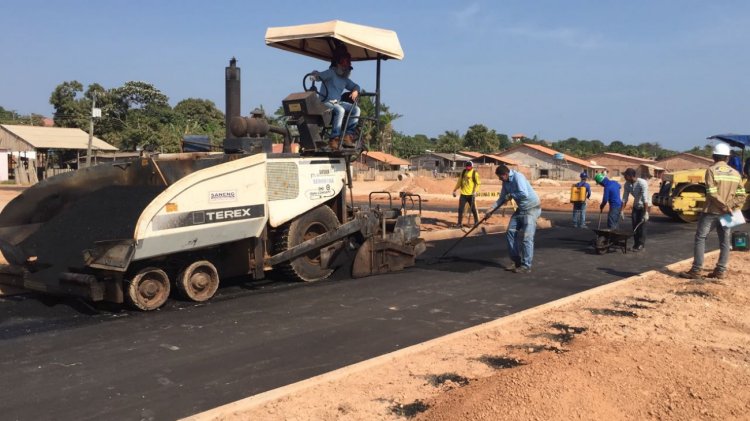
(607, 238)
(612, 236)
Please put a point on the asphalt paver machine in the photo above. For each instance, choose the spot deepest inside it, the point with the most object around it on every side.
(134, 231)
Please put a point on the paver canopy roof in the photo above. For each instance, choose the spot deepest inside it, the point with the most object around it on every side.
(319, 40)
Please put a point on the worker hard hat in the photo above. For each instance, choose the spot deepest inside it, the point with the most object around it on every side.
(469, 164)
(599, 177)
(584, 175)
(721, 148)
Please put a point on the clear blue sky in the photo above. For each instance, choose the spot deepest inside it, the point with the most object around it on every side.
(672, 72)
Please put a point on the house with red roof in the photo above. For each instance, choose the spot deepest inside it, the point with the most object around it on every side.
(684, 161)
(544, 162)
(617, 163)
(383, 161)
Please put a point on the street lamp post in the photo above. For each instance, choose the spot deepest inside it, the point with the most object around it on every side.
(95, 112)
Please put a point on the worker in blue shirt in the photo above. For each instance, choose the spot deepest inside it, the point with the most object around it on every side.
(522, 224)
(611, 197)
(579, 208)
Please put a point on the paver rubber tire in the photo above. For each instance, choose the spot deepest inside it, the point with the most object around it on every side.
(148, 289)
(309, 225)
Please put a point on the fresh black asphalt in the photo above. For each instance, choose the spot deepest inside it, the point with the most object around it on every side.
(63, 359)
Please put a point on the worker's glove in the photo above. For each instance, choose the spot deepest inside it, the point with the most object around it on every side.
(645, 217)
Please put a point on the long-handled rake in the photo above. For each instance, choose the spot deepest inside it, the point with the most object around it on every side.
(481, 221)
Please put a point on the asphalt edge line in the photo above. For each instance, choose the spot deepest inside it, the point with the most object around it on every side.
(250, 402)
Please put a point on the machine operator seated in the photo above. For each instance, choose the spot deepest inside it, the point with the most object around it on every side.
(336, 80)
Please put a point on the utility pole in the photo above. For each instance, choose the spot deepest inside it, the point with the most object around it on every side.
(91, 128)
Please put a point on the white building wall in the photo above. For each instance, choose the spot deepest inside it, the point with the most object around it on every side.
(542, 165)
(3, 165)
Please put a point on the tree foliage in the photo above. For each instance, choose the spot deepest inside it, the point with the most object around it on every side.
(136, 115)
(481, 139)
(70, 106)
(377, 140)
(408, 146)
(587, 148)
(450, 142)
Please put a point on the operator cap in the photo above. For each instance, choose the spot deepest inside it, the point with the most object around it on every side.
(469, 164)
(583, 175)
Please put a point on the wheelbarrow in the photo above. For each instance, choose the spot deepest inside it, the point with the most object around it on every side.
(612, 238)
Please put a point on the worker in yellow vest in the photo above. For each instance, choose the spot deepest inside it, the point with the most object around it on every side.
(468, 182)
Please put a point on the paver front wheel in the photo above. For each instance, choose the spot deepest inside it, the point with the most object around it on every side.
(308, 226)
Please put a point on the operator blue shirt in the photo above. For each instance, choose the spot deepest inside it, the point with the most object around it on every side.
(611, 193)
(518, 188)
(335, 85)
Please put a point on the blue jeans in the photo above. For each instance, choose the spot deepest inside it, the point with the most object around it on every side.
(339, 108)
(613, 218)
(579, 215)
(521, 247)
(706, 223)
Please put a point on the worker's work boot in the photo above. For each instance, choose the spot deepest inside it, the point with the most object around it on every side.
(691, 274)
(716, 274)
(522, 269)
(348, 140)
(334, 143)
(510, 267)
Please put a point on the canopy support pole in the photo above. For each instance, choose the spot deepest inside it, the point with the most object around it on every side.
(377, 101)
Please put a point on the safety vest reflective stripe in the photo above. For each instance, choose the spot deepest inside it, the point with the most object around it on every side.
(712, 189)
(733, 178)
(740, 190)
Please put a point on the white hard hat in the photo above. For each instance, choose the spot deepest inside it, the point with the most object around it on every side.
(721, 148)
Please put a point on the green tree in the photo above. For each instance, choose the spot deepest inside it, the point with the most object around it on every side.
(12, 117)
(450, 142)
(705, 151)
(481, 139)
(504, 142)
(383, 140)
(616, 147)
(143, 118)
(200, 116)
(7, 116)
(70, 109)
(408, 146)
